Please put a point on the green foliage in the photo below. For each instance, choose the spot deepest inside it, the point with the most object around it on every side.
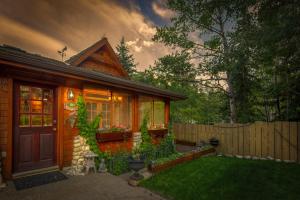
(87, 130)
(118, 163)
(235, 60)
(126, 58)
(174, 72)
(167, 144)
(168, 158)
(146, 144)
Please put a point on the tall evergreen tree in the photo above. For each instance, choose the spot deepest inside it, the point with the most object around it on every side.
(126, 59)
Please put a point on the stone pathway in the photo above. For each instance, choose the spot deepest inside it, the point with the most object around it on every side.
(90, 187)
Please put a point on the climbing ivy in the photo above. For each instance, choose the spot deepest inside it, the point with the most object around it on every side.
(146, 144)
(87, 129)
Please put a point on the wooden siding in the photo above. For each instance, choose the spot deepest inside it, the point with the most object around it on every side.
(6, 85)
(68, 132)
(102, 61)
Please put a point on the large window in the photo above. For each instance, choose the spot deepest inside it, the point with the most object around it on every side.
(114, 108)
(154, 110)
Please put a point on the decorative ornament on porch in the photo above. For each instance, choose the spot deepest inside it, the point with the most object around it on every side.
(89, 161)
(70, 94)
(102, 166)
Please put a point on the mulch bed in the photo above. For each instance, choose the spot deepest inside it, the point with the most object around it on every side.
(183, 159)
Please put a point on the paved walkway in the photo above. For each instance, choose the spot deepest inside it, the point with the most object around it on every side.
(90, 187)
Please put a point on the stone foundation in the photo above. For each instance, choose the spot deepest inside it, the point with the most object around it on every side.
(137, 139)
(80, 148)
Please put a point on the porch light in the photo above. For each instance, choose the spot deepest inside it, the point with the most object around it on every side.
(70, 94)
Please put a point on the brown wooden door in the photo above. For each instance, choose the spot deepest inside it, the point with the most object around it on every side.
(34, 126)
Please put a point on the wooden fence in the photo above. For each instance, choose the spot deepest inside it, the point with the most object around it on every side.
(279, 140)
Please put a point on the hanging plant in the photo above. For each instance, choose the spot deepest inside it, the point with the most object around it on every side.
(87, 129)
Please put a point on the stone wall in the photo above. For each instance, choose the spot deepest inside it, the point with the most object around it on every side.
(80, 148)
(137, 139)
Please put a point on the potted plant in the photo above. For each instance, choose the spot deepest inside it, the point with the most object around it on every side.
(136, 163)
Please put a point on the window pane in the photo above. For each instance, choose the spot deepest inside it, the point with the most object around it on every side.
(105, 115)
(48, 95)
(24, 120)
(36, 106)
(36, 93)
(25, 106)
(25, 92)
(47, 107)
(36, 120)
(47, 120)
(146, 110)
(159, 114)
(122, 110)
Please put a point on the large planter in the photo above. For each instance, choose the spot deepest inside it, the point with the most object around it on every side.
(136, 165)
(113, 136)
(158, 133)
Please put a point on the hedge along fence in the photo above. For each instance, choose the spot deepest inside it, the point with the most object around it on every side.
(279, 140)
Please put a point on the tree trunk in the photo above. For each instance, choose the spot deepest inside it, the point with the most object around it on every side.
(232, 103)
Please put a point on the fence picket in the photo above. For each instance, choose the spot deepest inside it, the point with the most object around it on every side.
(293, 141)
(278, 140)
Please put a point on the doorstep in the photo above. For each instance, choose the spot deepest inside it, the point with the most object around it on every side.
(34, 172)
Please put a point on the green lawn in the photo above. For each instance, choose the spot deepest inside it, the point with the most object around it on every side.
(228, 178)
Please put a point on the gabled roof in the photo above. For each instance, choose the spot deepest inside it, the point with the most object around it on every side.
(14, 57)
(86, 53)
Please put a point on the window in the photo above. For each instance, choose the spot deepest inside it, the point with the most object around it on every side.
(114, 108)
(36, 107)
(122, 115)
(98, 103)
(154, 110)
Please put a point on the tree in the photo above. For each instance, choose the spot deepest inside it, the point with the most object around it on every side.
(171, 72)
(213, 22)
(268, 32)
(126, 59)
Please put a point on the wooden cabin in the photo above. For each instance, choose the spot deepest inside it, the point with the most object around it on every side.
(38, 105)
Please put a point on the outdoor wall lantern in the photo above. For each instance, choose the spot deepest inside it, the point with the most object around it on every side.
(70, 94)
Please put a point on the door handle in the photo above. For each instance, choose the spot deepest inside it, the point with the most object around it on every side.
(54, 129)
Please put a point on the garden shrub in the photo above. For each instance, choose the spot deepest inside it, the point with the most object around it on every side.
(146, 149)
(167, 145)
(118, 163)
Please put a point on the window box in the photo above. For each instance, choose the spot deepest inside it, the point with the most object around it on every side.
(158, 133)
(113, 136)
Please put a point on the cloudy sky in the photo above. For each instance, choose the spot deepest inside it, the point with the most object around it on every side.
(45, 26)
